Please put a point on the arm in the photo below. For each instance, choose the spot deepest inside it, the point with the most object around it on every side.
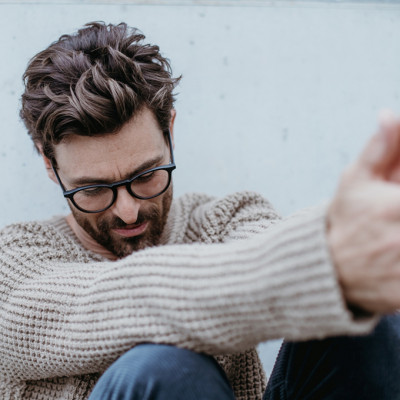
(61, 318)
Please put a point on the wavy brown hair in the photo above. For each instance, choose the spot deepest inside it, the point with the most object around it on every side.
(93, 82)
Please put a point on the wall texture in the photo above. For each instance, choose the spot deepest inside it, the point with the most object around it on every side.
(276, 96)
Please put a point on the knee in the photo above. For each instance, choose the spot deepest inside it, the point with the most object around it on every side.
(160, 362)
(152, 371)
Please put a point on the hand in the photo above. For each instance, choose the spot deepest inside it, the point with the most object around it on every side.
(364, 224)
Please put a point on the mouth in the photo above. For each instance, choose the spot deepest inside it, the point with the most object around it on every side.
(131, 230)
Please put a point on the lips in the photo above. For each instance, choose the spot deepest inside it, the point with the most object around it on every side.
(132, 230)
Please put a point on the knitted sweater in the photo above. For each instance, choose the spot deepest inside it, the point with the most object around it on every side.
(228, 275)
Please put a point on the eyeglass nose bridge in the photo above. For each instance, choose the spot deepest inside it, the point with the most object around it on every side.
(128, 186)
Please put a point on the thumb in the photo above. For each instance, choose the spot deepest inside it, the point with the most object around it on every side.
(381, 155)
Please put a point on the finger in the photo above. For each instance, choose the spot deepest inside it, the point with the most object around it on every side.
(391, 125)
(390, 167)
(381, 156)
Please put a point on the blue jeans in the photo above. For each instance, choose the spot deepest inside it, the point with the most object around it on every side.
(342, 368)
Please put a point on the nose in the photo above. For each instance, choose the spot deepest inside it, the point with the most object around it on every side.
(126, 207)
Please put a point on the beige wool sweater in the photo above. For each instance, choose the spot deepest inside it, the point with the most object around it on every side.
(228, 275)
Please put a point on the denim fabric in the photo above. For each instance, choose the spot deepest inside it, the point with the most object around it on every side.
(160, 372)
(343, 368)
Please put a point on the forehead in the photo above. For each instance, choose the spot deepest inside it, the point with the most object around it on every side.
(115, 154)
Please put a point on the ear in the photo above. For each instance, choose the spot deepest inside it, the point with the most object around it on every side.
(47, 164)
(171, 126)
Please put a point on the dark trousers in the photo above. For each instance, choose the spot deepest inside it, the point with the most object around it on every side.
(353, 368)
(342, 368)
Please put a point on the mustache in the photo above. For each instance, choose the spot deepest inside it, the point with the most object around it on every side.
(143, 216)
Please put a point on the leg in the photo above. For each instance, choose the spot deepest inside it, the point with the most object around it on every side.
(160, 372)
(343, 368)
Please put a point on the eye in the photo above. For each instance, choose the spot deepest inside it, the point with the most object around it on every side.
(146, 177)
(94, 191)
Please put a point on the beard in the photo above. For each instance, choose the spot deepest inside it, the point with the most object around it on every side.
(155, 216)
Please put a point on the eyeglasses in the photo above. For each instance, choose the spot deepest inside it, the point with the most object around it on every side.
(146, 185)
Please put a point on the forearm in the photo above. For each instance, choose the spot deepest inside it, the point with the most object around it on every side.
(75, 319)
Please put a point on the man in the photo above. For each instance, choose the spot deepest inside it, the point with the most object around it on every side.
(137, 296)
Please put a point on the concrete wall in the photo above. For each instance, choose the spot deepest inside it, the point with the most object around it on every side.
(276, 96)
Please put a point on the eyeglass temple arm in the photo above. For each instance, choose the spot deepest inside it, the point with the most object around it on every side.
(58, 177)
(171, 147)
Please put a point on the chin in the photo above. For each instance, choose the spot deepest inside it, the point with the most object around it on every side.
(125, 247)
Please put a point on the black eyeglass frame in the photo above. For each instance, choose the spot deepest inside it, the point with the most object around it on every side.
(69, 194)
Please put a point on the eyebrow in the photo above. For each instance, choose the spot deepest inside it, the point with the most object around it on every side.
(88, 180)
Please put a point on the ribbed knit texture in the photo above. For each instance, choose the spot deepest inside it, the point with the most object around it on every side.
(228, 275)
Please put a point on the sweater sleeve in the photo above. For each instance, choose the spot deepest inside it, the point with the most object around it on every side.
(61, 318)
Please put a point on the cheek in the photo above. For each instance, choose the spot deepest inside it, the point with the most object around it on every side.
(85, 219)
(167, 200)
(159, 201)
(102, 219)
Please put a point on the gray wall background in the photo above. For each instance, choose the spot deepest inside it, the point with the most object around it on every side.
(276, 96)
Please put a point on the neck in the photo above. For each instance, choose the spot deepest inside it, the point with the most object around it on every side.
(87, 241)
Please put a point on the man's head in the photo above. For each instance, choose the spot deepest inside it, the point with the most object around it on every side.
(92, 83)
(98, 105)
